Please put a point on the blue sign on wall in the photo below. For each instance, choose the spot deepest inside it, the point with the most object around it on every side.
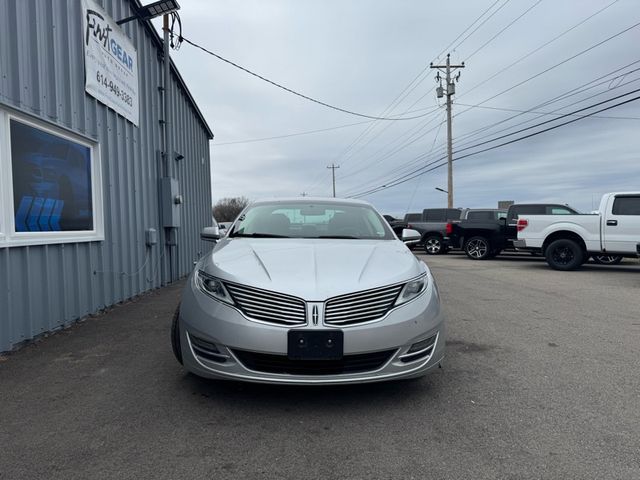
(51, 181)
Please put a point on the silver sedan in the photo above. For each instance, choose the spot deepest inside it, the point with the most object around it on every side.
(309, 291)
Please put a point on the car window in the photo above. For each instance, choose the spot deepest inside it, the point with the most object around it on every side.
(525, 210)
(435, 215)
(452, 214)
(626, 206)
(413, 217)
(480, 215)
(559, 211)
(316, 220)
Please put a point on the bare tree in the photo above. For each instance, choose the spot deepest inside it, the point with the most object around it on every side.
(227, 209)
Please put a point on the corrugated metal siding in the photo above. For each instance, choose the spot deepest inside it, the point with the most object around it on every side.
(42, 72)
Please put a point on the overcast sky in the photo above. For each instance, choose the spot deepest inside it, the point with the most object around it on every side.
(361, 54)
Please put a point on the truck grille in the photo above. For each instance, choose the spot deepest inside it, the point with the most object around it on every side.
(269, 363)
(361, 307)
(267, 306)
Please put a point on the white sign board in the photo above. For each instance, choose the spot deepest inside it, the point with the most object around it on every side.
(110, 62)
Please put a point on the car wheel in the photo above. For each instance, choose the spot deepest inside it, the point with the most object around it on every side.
(477, 248)
(175, 335)
(433, 245)
(607, 259)
(564, 254)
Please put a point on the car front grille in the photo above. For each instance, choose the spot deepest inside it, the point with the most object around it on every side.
(361, 307)
(267, 306)
(281, 364)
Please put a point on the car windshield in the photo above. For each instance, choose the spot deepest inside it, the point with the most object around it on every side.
(312, 220)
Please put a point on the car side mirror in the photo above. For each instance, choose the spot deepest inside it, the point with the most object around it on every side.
(409, 235)
(210, 234)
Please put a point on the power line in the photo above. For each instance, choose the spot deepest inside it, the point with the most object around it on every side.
(414, 138)
(465, 30)
(501, 31)
(551, 120)
(555, 66)
(306, 97)
(308, 132)
(567, 94)
(570, 93)
(417, 172)
(481, 24)
(399, 143)
(527, 55)
(538, 113)
(416, 81)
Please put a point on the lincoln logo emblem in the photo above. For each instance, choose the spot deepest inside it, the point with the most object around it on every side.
(314, 315)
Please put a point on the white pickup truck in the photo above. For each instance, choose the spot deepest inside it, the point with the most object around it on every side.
(567, 241)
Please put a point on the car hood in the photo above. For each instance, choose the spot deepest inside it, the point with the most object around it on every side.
(313, 269)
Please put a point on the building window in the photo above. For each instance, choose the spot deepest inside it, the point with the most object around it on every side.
(50, 187)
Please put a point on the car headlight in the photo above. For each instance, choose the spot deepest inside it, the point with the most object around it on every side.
(213, 287)
(412, 289)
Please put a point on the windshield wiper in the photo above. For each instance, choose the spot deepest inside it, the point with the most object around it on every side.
(258, 235)
(347, 237)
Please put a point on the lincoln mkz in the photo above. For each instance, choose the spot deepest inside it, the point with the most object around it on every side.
(309, 291)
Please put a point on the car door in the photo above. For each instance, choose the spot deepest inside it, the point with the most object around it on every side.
(621, 229)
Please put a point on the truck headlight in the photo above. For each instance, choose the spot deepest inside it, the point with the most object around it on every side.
(412, 289)
(213, 287)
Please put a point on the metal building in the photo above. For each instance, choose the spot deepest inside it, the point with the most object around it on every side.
(93, 211)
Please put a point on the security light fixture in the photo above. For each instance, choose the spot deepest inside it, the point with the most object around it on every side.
(163, 7)
(441, 189)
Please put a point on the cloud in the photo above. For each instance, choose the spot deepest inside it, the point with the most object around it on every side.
(361, 54)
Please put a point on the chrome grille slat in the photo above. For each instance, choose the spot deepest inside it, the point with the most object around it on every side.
(351, 306)
(257, 303)
(366, 295)
(371, 313)
(264, 293)
(255, 295)
(361, 307)
(266, 311)
(267, 306)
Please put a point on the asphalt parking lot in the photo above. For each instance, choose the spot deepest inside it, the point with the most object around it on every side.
(541, 381)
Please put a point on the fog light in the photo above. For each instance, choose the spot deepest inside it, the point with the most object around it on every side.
(416, 347)
(420, 350)
(207, 350)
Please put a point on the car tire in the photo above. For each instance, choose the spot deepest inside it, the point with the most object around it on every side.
(607, 259)
(564, 255)
(433, 245)
(477, 248)
(175, 335)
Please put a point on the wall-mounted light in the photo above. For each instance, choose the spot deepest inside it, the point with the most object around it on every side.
(152, 10)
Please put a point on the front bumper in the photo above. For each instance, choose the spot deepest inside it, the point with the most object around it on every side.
(203, 319)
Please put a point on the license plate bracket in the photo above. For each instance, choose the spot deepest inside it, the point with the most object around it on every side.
(315, 344)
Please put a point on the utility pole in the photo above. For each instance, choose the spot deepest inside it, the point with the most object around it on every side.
(450, 91)
(333, 167)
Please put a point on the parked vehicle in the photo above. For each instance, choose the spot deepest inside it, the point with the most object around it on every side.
(432, 228)
(224, 226)
(568, 242)
(309, 291)
(481, 239)
(483, 214)
(398, 227)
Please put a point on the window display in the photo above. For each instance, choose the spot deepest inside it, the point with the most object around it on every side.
(51, 181)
